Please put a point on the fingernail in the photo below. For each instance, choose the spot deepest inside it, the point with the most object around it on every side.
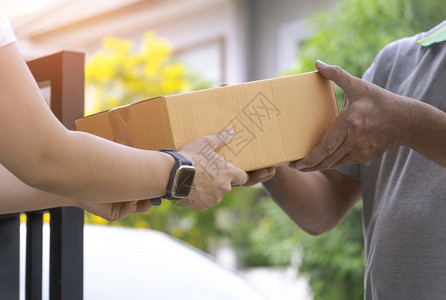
(321, 64)
(229, 134)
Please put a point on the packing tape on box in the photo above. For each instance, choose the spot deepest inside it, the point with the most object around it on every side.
(120, 127)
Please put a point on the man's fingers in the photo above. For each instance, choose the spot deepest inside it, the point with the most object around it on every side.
(240, 177)
(261, 175)
(329, 145)
(336, 74)
(337, 158)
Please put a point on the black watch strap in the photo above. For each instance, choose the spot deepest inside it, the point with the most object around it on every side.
(180, 160)
(156, 201)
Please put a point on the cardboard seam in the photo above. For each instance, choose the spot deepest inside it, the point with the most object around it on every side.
(167, 122)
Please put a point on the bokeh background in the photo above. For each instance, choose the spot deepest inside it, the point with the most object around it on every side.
(139, 49)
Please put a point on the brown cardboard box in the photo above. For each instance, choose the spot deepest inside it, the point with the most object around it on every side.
(276, 120)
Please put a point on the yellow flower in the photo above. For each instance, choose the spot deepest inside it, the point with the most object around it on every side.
(97, 220)
(176, 232)
(118, 74)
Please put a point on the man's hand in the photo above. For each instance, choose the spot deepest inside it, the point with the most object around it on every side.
(214, 176)
(259, 176)
(118, 210)
(372, 121)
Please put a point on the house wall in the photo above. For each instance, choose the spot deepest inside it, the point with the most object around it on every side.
(277, 27)
(231, 41)
(186, 24)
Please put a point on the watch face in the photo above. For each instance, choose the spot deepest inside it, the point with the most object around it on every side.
(182, 184)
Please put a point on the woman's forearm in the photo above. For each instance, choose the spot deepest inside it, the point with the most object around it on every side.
(18, 197)
(78, 169)
(42, 153)
(21, 197)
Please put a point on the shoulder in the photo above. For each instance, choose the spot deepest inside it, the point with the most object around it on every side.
(407, 45)
(399, 56)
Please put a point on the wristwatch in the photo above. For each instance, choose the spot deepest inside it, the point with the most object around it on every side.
(181, 178)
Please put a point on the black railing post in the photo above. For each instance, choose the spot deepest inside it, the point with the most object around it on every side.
(33, 274)
(10, 256)
(64, 72)
(66, 243)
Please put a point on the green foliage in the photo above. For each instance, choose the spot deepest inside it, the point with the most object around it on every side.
(334, 262)
(276, 236)
(351, 37)
(264, 235)
(353, 34)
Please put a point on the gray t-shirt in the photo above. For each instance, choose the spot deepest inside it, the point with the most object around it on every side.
(404, 193)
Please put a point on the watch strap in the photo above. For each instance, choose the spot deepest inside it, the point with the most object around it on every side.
(156, 201)
(180, 160)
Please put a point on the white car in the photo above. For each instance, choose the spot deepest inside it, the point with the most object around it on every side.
(124, 263)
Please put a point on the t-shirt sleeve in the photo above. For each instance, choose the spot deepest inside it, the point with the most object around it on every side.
(351, 170)
(6, 34)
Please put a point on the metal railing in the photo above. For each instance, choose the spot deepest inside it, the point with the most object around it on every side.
(62, 75)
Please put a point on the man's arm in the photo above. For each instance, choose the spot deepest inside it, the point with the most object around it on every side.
(374, 120)
(427, 131)
(315, 201)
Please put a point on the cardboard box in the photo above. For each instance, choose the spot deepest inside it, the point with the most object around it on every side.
(276, 120)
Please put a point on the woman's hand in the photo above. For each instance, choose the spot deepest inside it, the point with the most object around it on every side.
(214, 176)
(118, 210)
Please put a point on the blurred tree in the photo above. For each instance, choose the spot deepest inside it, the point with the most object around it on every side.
(119, 75)
(351, 36)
